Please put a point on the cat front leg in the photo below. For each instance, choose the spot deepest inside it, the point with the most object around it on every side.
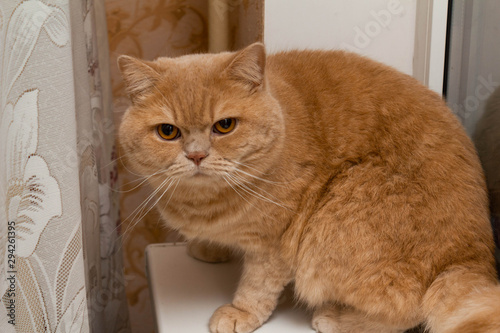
(208, 252)
(263, 279)
(335, 318)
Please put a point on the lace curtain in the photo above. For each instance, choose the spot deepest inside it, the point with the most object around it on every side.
(60, 261)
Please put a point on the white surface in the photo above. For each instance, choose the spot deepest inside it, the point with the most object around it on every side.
(185, 292)
(430, 43)
(380, 29)
(438, 45)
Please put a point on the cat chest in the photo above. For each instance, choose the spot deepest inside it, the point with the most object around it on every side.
(222, 221)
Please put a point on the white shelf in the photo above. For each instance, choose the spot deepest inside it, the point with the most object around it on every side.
(185, 292)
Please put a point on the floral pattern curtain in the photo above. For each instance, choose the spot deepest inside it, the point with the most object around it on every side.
(60, 260)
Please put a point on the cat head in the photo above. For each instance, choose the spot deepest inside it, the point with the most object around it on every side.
(200, 117)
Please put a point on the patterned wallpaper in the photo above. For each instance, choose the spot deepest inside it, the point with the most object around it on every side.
(148, 29)
(246, 22)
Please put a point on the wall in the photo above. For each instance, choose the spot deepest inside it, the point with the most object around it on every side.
(381, 29)
(474, 87)
(474, 57)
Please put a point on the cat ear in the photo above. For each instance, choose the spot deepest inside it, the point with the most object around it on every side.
(248, 66)
(138, 76)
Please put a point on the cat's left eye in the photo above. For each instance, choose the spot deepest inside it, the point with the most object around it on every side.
(224, 126)
(168, 132)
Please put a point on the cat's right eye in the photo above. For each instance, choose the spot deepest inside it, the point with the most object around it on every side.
(168, 132)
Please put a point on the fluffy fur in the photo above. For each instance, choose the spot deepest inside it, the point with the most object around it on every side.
(342, 175)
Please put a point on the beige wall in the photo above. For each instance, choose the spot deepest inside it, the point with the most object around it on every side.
(380, 29)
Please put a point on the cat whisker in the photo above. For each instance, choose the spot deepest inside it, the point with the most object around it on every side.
(172, 194)
(137, 220)
(235, 189)
(116, 160)
(260, 178)
(173, 191)
(245, 183)
(139, 210)
(139, 213)
(142, 180)
(248, 166)
(137, 174)
(131, 172)
(252, 192)
(237, 192)
(177, 172)
(158, 200)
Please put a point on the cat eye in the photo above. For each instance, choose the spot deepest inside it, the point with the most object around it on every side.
(224, 126)
(168, 132)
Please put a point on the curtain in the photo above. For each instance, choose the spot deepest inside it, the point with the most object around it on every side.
(60, 259)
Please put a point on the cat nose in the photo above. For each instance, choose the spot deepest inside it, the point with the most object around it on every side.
(197, 157)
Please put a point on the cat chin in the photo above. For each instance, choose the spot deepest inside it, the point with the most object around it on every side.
(198, 177)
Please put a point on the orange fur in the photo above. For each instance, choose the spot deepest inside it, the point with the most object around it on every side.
(342, 175)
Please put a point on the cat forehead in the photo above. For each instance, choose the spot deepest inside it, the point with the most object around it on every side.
(191, 93)
(192, 75)
(195, 62)
(197, 108)
(196, 114)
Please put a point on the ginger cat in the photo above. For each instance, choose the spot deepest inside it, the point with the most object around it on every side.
(328, 170)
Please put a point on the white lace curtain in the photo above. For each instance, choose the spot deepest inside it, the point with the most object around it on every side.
(60, 266)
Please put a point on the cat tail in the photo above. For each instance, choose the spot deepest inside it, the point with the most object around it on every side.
(462, 300)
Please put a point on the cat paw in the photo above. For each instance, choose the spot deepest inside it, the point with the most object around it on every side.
(343, 319)
(208, 252)
(228, 319)
(325, 325)
(326, 321)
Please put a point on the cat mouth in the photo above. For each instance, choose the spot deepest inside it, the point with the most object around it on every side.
(201, 174)
(197, 173)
